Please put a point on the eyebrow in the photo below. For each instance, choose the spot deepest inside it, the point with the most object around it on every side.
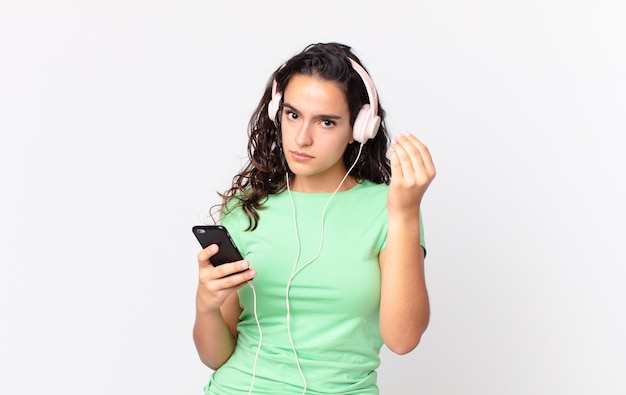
(319, 116)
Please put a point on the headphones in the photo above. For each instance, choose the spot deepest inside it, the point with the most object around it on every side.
(367, 120)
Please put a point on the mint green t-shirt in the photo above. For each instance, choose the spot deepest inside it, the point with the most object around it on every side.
(334, 300)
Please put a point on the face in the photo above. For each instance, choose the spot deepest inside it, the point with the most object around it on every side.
(316, 131)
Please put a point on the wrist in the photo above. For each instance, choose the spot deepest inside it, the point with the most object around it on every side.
(206, 309)
(404, 219)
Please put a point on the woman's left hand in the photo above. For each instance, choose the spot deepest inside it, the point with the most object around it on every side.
(412, 171)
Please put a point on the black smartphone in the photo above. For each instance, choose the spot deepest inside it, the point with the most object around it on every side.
(217, 234)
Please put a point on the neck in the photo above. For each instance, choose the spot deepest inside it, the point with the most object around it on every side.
(300, 184)
(342, 182)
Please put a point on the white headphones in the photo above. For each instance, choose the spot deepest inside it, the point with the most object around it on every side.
(367, 120)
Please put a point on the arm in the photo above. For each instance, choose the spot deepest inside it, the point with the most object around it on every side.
(404, 306)
(217, 308)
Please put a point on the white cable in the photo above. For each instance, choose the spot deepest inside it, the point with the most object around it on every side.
(294, 271)
(293, 274)
(258, 324)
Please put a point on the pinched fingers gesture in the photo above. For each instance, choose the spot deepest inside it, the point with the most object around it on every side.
(412, 171)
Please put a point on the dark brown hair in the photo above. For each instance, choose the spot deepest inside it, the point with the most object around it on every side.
(266, 170)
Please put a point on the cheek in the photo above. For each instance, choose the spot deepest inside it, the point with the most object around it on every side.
(338, 143)
(335, 150)
(288, 131)
(344, 140)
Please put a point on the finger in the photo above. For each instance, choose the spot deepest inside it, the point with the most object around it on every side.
(396, 166)
(229, 269)
(410, 144)
(205, 255)
(422, 153)
(404, 165)
(236, 278)
(422, 169)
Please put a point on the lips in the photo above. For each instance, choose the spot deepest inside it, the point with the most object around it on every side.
(300, 155)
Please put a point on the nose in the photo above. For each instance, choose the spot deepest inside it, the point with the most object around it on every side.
(304, 135)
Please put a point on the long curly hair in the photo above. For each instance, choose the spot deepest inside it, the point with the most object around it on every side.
(266, 170)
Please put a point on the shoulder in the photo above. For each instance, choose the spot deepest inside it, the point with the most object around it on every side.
(370, 185)
(365, 195)
(232, 213)
(369, 189)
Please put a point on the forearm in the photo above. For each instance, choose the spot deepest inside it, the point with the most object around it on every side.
(213, 340)
(404, 306)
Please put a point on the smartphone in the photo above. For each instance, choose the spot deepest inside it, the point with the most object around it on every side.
(217, 234)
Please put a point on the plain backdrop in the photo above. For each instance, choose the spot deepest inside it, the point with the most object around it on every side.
(120, 120)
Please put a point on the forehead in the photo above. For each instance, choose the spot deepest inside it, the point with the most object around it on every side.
(307, 90)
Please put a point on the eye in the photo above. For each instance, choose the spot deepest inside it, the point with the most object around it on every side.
(327, 123)
(291, 114)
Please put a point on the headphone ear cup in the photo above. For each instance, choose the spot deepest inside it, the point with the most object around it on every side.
(365, 125)
(273, 105)
(357, 128)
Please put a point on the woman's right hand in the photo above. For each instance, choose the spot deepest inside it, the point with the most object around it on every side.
(216, 283)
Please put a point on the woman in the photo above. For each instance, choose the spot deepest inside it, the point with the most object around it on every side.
(329, 226)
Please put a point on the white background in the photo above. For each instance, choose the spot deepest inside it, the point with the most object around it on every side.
(120, 120)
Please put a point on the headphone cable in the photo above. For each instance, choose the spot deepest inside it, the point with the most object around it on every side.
(294, 272)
